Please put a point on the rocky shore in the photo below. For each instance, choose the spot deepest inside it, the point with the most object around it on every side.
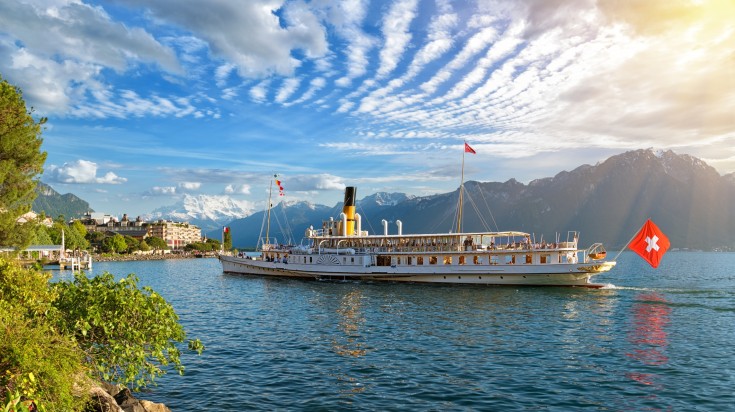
(127, 257)
(115, 398)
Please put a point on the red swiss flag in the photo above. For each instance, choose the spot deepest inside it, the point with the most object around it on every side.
(650, 243)
(468, 149)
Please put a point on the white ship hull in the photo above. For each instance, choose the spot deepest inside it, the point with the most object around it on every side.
(567, 274)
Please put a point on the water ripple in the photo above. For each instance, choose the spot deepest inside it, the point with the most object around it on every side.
(659, 342)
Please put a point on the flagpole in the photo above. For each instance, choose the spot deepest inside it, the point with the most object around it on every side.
(626, 245)
(461, 190)
(268, 227)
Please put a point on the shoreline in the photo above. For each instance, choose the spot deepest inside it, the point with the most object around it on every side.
(128, 258)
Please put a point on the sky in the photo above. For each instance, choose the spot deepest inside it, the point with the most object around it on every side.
(151, 101)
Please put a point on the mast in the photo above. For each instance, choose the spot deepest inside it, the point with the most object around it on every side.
(461, 192)
(268, 226)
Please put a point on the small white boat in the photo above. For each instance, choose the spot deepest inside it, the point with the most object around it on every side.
(341, 250)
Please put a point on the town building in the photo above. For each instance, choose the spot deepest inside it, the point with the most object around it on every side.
(175, 234)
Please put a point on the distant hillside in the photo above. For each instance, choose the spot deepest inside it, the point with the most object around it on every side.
(54, 204)
(289, 221)
(607, 202)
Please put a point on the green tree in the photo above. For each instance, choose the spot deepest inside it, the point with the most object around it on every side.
(41, 236)
(143, 245)
(114, 244)
(73, 239)
(157, 243)
(128, 334)
(228, 239)
(132, 244)
(21, 161)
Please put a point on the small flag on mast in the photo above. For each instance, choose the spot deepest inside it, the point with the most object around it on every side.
(468, 149)
(650, 243)
(225, 229)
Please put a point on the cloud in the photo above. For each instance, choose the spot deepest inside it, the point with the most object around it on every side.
(237, 189)
(56, 74)
(162, 191)
(396, 34)
(81, 172)
(287, 89)
(189, 186)
(309, 183)
(250, 34)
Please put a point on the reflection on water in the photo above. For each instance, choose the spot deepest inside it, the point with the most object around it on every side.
(350, 320)
(648, 336)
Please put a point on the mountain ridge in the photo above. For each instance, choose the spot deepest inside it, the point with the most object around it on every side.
(607, 202)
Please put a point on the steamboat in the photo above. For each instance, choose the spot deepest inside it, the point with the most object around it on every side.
(341, 250)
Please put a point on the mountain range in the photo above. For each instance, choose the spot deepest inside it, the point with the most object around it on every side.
(607, 202)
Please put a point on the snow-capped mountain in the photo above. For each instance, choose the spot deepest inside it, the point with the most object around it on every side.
(206, 211)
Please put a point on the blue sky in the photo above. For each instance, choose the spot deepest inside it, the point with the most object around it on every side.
(149, 101)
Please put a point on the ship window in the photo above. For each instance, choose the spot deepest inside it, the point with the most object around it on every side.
(510, 259)
(311, 260)
(353, 260)
(476, 260)
(383, 260)
(461, 260)
(545, 259)
(529, 259)
(420, 260)
(494, 260)
(432, 260)
(398, 260)
(447, 260)
(410, 260)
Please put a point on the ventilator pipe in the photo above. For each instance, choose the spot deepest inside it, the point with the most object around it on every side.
(400, 227)
(358, 223)
(385, 227)
(343, 227)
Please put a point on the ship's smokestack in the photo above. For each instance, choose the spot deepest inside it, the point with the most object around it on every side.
(349, 210)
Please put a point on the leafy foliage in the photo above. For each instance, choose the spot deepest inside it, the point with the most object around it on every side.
(36, 361)
(211, 245)
(114, 244)
(128, 334)
(157, 243)
(227, 238)
(21, 160)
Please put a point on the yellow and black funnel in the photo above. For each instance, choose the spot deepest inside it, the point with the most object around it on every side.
(349, 210)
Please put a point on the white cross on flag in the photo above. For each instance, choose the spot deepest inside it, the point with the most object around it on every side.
(650, 243)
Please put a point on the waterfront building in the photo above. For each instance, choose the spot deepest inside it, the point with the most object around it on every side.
(176, 234)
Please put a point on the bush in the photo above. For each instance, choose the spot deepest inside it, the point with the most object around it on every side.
(37, 362)
(128, 334)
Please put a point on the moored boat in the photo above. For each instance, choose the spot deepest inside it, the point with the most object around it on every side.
(341, 250)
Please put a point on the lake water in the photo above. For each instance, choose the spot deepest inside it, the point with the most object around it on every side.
(653, 340)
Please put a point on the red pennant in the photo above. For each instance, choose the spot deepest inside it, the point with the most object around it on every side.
(650, 243)
(468, 149)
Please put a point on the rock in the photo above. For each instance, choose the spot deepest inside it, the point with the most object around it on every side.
(105, 397)
(101, 401)
(127, 401)
(154, 407)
